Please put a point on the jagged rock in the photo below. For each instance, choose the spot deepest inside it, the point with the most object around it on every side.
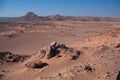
(48, 51)
(55, 49)
(36, 64)
(9, 57)
(45, 51)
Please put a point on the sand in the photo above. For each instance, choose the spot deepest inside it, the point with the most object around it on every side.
(96, 40)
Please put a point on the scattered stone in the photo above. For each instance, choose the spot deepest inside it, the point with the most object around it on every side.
(9, 57)
(36, 64)
(74, 54)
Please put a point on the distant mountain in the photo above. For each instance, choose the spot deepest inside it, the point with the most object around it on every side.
(30, 16)
(56, 17)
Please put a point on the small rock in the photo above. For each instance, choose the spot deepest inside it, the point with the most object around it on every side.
(74, 57)
(108, 75)
(88, 68)
(116, 45)
(59, 74)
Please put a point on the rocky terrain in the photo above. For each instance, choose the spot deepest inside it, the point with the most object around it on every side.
(35, 49)
(96, 58)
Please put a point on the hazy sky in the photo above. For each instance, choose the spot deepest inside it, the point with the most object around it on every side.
(15, 8)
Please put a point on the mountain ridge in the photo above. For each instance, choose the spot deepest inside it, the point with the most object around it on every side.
(31, 16)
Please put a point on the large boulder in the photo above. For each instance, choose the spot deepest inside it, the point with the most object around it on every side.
(55, 49)
(49, 51)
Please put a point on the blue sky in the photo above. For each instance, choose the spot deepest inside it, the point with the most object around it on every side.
(104, 8)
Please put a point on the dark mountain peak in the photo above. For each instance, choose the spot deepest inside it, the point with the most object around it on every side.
(30, 16)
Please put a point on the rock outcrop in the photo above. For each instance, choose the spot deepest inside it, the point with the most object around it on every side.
(55, 49)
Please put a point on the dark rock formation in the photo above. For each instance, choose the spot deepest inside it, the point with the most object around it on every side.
(88, 68)
(36, 64)
(55, 49)
(118, 76)
(9, 57)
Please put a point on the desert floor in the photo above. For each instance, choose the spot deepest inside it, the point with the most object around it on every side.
(98, 42)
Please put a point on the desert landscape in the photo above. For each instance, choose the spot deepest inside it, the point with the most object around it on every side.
(59, 48)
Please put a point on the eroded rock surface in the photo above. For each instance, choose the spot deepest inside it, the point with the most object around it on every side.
(55, 49)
